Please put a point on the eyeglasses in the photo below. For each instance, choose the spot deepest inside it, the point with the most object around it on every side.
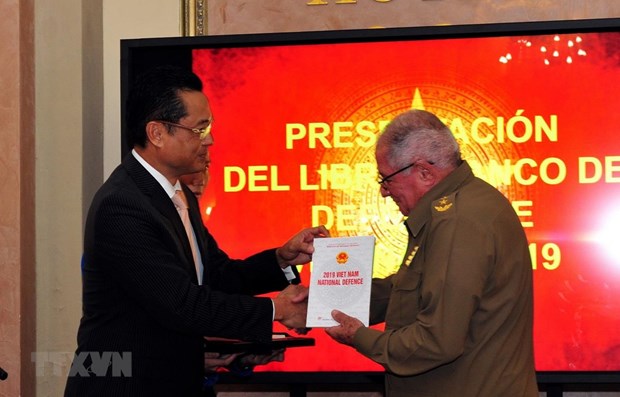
(201, 132)
(383, 181)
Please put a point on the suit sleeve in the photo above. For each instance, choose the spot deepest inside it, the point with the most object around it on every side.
(136, 250)
(257, 274)
(446, 296)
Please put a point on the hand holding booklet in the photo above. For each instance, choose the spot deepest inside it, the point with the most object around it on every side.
(340, 279)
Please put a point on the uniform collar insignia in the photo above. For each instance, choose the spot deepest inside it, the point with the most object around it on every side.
(443, 204)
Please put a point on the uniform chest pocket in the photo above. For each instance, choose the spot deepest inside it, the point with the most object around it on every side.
(407, 279)
(405, 300)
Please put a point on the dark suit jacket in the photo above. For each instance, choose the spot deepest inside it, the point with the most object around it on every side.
(141, 298)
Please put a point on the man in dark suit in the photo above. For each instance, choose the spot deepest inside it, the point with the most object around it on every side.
(147, 297)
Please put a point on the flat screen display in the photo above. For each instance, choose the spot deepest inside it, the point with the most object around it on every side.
(534, 107)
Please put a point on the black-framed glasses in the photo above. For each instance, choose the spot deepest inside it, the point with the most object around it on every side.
(383, 181)
(201, 132)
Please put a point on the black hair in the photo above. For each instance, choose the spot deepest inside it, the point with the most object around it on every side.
(155, 96)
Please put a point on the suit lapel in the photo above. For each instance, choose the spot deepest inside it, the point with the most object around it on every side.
(160, 200)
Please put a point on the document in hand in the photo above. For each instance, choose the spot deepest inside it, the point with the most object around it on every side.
(340, 279)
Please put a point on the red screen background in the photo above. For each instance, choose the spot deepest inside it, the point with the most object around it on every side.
(284, 113)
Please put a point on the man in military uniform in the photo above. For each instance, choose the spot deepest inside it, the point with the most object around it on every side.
(458, 313)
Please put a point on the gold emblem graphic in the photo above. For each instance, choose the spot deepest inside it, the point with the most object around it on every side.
(342, 258)
(444, 204)
(373, 105)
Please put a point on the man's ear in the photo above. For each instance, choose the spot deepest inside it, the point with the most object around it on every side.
(427, 173)
(154, 133)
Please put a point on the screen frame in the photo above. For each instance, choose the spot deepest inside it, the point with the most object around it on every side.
(298, 383)
(138, 54)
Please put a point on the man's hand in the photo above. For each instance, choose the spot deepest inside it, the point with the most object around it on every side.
(344, 332)
(298, 250)
(297, 293)
(251, 360)
(291, 306)
(214, 361)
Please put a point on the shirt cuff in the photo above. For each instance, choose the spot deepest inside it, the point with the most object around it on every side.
(289, 274)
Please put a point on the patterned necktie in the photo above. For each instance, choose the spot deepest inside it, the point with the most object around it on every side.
(180, 202)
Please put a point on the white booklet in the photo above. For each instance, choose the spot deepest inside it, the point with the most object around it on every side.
(340, 279)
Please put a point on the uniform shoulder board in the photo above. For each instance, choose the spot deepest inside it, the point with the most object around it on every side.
(444, 204)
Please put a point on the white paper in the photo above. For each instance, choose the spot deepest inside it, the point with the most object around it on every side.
(340, 279)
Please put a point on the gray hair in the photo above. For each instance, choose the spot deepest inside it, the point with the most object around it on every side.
(420, 135)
